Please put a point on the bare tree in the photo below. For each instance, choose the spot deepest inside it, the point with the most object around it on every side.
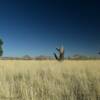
(99, 53)
(60, 50)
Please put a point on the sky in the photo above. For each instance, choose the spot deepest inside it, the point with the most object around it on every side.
(37, 27)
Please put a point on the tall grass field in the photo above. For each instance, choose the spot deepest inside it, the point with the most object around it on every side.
(49, 80)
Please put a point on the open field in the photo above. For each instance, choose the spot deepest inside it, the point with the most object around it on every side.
(49, 80)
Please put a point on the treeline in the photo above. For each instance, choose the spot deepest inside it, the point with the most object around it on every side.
(27, 58)
(50, 58)
(82, 57)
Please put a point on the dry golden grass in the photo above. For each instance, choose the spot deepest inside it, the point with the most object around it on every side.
(49, 80)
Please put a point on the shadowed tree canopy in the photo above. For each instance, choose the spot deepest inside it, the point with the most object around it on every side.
(1, 50)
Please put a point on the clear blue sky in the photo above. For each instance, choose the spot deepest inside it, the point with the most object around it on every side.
(37, 27)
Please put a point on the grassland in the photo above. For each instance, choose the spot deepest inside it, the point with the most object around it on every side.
(49, 80)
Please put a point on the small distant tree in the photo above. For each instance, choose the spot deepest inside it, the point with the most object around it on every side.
(99, 53)
(27, 57)
(60, 57)
(1, 50)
